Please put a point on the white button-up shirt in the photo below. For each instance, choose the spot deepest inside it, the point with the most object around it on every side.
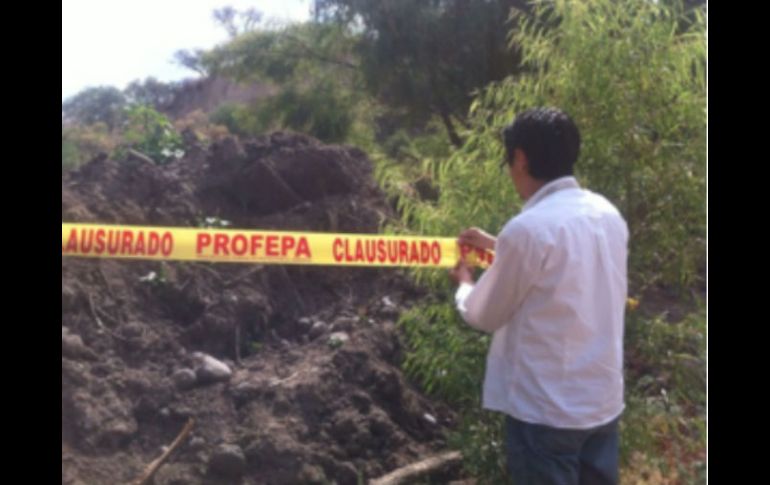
(554, 299)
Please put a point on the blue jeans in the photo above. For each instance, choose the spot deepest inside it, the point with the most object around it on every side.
(540, 455)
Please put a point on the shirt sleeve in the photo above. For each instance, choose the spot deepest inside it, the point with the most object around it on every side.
(492, 301)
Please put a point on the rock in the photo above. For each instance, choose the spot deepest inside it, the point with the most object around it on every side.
(105, 422)
(72, 346)
(69, 299)
(318, 329)
(133, 330)
(228, 460)
(344, 324)
(337, 339)
(345, 472)
(211, 370)
(197, 443)
(304, 324)
(388, 309)
(184, 378)
(311, 475)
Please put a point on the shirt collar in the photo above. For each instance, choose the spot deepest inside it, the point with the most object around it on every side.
(568, 182)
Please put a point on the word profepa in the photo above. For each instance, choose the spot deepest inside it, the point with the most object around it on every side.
(254, 245)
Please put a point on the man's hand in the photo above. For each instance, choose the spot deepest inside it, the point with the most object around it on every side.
(461, 273)
(477, 238)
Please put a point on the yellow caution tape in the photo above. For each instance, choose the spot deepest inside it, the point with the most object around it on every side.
(266, 247)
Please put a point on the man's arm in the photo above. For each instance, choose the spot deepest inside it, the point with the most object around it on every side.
(489, 304)
(477, 238)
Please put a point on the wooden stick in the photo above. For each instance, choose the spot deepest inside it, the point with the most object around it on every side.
(158, 462)
(140, 156)
(419, 469)
(246, 274)
(93, 311)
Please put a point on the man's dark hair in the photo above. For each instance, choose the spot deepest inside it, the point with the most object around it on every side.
(548, 137)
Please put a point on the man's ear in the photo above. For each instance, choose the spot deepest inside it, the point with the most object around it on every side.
(519, 154)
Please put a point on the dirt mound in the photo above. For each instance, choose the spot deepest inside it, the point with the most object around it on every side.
(291, 373)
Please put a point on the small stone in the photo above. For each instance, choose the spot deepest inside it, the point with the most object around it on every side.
(338, 339)
(228, 460)
(133, 330)
(211, 369)
(197, 443)
(312, 475)
(184, 378)
(72, 346)
(344, 324)
(304, 324)
(318, 329)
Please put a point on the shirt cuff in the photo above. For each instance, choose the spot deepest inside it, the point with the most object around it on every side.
(462, 293)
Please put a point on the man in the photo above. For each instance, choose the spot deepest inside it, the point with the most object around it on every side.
(554, 301)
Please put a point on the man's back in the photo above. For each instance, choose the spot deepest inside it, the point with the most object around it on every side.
(565, 343)
(555, 301)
